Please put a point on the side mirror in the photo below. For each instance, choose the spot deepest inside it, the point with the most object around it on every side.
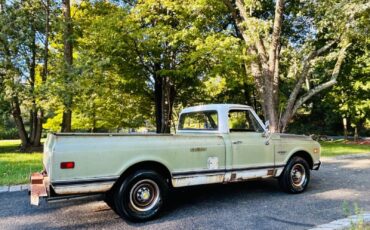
(266, 134)
(267, 124)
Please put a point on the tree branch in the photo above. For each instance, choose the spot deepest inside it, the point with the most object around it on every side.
(241, 6)
(318, 52)
(261, 50)
(331, 82)
(305, 71)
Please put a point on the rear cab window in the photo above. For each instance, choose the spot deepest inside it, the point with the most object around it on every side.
(203, 120)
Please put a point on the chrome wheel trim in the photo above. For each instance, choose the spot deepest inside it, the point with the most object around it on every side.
(298, 175)
(144, 195)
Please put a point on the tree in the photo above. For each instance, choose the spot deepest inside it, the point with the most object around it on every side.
(314, 33)
(68, 66)
(21, 25)
(164, 55)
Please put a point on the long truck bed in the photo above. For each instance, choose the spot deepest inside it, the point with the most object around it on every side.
(100, 159)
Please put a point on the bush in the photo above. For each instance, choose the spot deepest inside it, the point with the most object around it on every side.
(11, 133)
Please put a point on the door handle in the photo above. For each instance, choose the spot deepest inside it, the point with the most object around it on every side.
(237, 142)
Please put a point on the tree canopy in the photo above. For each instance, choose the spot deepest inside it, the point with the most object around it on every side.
(122, 66)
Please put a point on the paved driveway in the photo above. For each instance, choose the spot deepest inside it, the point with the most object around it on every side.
(341, 183)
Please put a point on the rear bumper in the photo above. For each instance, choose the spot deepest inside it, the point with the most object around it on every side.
(317, 166)
(39, 187)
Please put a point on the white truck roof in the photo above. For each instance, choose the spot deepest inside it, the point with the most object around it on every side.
(217, 107)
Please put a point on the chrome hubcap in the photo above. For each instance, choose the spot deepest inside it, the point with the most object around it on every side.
(144, 195)
(298, 175)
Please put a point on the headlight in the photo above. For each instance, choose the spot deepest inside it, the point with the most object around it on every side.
(316, 150)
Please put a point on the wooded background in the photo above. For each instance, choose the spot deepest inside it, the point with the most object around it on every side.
(132, 65)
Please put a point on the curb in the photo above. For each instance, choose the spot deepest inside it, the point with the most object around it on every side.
(345, 223)
(14, 188)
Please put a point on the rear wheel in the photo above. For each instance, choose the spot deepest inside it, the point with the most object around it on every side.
(141, 195)
(296, 176)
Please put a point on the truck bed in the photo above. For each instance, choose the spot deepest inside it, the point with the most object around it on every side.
(103, 157)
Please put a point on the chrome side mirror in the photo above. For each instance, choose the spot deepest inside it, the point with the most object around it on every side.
(267, 124)
(266, 134)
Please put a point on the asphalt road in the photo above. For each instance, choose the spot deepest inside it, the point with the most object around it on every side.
(340, 184)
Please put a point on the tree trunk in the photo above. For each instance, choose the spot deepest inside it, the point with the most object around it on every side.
(45, 70)
(38, 133)
(66, 121)
(272, 74)
(31, 121)
(164, 96)
(44, 74)
(33, 124)
(68, 59)
(247, 95)
(158, 81)
(32, 80)
(170, 102)
(163, 105)
(345, 128)
(17, 115)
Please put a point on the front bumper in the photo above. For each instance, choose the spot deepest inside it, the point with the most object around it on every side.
(39, 187)
(317, 166)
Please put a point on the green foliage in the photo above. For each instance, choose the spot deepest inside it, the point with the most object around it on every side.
(121, 48)
(11, 133)
(350, 98)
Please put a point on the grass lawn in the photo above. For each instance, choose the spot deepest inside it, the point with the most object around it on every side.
(15, 167)
(339, 147)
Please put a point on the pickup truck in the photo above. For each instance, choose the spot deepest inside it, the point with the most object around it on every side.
(218, 143)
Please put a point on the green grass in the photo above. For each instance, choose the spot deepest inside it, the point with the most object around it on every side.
(339, 147)
(15, 167)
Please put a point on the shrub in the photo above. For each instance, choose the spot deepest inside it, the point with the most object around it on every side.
(10, 133)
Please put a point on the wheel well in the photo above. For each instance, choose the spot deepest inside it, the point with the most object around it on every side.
(305, 155)
(148, 165)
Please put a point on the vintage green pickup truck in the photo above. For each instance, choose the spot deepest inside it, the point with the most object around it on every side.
(218, 143)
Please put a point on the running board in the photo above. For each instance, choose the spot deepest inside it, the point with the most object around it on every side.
(74, 197)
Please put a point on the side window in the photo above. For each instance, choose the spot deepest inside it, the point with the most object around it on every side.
(243, 121)
(205, 120)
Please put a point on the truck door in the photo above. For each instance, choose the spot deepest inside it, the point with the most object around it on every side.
(251, 157)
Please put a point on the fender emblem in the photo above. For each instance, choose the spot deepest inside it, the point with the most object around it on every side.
(198, 149)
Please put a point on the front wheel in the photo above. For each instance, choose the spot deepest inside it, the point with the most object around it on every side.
(141, 195)
(296, 176)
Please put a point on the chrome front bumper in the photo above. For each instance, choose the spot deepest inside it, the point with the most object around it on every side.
(39, 187)
(317, 166)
